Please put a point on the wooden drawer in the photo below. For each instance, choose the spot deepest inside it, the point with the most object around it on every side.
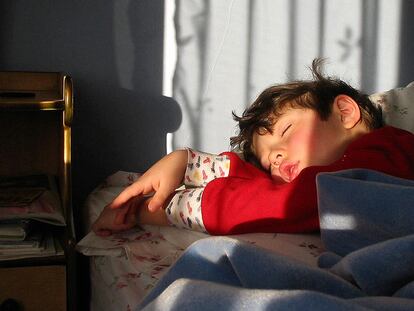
(35, 288)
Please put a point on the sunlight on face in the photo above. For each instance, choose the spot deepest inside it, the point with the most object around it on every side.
(299, 139)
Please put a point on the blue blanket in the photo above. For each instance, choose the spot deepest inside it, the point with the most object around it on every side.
(367, 226)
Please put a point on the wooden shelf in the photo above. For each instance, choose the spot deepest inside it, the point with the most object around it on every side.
(36, 91)
(41, 100)
(36, 111)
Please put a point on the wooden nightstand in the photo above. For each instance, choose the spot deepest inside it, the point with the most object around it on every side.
(36, 110)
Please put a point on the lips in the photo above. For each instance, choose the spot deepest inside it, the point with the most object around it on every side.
(289, 170)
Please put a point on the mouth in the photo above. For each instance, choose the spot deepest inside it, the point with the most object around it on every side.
(289, 171)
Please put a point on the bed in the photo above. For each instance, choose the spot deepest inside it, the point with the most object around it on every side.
(125, 267)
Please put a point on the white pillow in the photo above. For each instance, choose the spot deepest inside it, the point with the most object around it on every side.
(397, 106)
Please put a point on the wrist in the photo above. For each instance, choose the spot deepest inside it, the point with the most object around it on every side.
(146, 217)
(180, 159)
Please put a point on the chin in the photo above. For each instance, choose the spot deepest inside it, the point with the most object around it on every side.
(278, 179)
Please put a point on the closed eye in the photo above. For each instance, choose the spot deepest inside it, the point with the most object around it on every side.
(285, 130)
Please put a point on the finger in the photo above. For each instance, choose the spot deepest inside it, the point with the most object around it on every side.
(158, 199)
(129, 192)
(121, 214)
(131, 215)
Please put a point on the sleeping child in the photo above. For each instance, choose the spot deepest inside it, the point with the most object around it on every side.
(289, 134)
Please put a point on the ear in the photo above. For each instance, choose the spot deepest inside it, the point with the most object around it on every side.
(348, 110)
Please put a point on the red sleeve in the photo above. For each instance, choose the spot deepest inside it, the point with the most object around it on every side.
(248, 200)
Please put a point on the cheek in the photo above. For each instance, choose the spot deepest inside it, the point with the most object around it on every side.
(311, 148)
(324, 150)
(308, 139)
(303, 144)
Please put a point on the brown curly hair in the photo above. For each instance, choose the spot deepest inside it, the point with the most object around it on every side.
(317, 94)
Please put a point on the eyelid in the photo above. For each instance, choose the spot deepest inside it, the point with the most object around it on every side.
(286, 128)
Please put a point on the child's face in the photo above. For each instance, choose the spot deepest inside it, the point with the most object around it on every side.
(300, 139)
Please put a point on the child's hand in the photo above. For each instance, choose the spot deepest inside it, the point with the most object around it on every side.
(161, 179)
(111, 220)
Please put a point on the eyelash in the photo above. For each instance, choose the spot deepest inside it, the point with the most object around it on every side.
(285, 130)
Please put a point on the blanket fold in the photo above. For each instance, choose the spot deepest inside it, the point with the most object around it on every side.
(360, 207)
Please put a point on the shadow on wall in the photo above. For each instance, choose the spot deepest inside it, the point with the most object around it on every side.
(129, 134)
(116, 126)
(406, 74)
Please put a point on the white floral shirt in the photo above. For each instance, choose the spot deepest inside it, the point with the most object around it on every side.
(184, 209)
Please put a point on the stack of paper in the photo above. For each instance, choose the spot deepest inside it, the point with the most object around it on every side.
(27, 203)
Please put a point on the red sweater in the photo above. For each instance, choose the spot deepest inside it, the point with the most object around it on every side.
(248, 200)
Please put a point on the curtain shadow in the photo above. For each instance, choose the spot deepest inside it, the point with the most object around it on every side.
(369, 45)
(406, 66)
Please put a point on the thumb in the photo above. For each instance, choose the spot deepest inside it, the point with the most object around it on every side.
(158, 200)
(155, 203)
(163, 195)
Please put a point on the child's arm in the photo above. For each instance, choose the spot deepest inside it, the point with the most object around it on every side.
(162, 179)
(165, 176)
(135, 211)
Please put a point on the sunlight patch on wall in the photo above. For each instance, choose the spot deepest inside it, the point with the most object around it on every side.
(170, 56)
(389, 44)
